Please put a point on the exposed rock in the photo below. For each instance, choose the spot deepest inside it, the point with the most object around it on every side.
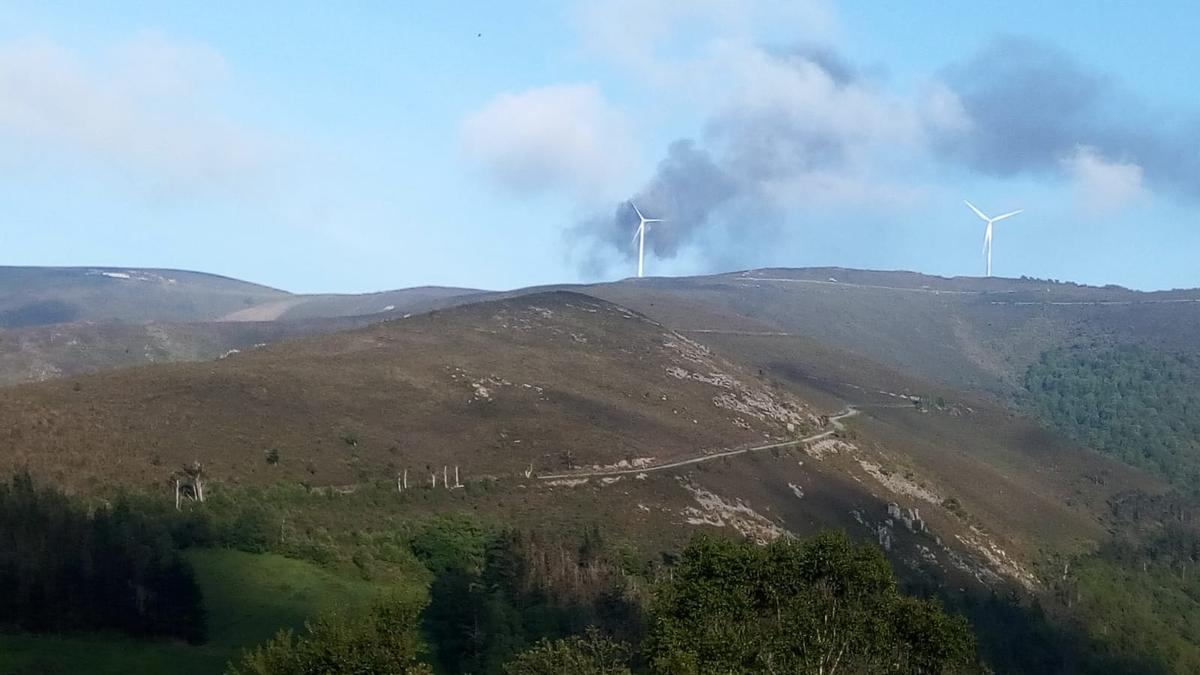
(716, 511)
(884, 534)
(899, 484)
(828, 446)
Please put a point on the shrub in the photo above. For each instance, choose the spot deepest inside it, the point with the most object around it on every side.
(385, 641)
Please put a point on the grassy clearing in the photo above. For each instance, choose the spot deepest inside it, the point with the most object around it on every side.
(251, 596)
(29, 654)
(248, 598)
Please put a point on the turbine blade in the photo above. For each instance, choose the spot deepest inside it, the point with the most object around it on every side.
(654, 220)
(639, 212)
(1007, 215)
(637, 231)
(977, 211)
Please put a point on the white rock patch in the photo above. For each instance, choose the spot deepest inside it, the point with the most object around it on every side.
(634, 463)
(828, 446)
(715, 511)
(899, 484)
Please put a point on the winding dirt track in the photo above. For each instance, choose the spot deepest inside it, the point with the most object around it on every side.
(835, 422)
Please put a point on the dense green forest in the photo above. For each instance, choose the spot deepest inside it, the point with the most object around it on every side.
(823, 605)
(1138, 404)
(495, 593)
(1137, 598)
(1139, 594)
(63, 568)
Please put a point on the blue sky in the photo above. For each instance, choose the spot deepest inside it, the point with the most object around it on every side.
(385, 145)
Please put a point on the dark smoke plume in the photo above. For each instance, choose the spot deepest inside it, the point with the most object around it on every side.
(743, 151)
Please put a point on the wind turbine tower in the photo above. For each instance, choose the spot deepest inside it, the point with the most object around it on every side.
(987, 235)
(640, 236)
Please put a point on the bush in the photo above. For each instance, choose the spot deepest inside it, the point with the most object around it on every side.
(798, 607)
(384, 642)
(589, 654)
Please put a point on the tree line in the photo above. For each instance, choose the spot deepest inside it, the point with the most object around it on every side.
(821, 605)
(65, 568)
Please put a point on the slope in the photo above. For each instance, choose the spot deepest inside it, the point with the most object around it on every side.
(385, 304)
(963, 333)
(492, 387)
(36, 296)
(61, 322)
(544, 403)
(40, 353)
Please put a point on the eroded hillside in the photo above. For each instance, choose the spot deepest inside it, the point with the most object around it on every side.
(566, 405)
(553, 380)
(962, 333)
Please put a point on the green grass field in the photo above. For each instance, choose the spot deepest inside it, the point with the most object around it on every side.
(248, 598)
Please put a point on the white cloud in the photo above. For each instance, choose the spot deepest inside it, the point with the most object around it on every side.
(140, 108)
(558, 137)
(811, 98)
(941, 110)
(797, 124)
(661, 40)
(1102, 185)
(804, 132)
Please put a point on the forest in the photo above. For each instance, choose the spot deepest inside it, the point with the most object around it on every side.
(65, 568)
(822, 605)
(1138, 404)
(499, 600)
(1138, 595)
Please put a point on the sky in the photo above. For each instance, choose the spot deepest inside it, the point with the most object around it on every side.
(350, 147)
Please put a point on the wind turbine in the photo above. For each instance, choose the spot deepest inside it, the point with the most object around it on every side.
(987, 235)
(640, 235)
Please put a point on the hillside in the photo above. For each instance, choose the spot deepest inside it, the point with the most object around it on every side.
(963, 333)
(61, 322)
(749, 407)
(516, 382)
(385, 304)
(40, 353)
(972, 334)
(40, 296)
(37, 296)
(592, 398)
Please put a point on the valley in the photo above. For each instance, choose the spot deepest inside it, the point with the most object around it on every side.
(759, 405)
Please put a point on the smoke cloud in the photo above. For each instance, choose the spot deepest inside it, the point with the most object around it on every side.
(797, 125)
(1031, 107)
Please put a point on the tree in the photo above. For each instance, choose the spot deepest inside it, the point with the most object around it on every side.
(589, 654)
(65, 568)
(821, 606)
(386, 641)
